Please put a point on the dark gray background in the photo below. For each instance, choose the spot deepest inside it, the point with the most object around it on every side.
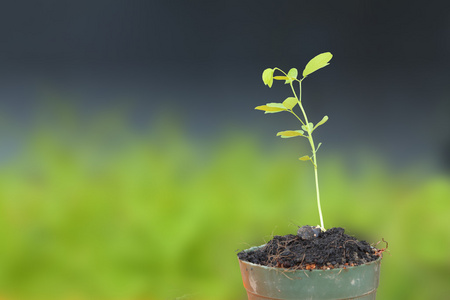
(387, 88)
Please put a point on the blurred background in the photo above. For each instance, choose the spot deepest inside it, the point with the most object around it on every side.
(134, 166)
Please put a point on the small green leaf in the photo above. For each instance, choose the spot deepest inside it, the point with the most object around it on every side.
(305, 158)
(267, 77)
(290, 133)
(271, 108)
(308, 128)
(318, 146)
(290, 102)
(268, 109)
(317, 63)
(275, 104)
(324, 119)
(292, 74)
(280, 77)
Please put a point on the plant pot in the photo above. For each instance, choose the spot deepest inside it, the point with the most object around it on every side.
(358, 282)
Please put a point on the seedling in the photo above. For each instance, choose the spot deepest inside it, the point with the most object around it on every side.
(290, 103)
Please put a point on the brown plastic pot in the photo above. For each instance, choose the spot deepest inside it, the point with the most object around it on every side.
(359, 282)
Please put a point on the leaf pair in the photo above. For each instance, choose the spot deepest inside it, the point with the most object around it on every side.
(271, 108)
(291, 76)
(310, 126)
(318, 62)
(290, 133)
(268, 77)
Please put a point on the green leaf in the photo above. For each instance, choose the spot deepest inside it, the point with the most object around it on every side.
(275, 104)
(280, 77)
(290, 133)
(305, 158)
(324, 119)
(267, 77)
(290, 102)
(317, 63)
(292, 74)
(309, 127)
(271, 108)
(318, 146)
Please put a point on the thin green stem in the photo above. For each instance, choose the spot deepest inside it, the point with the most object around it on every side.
(314, 158)
(280, 71)
(318, 195)
(292, 112)
(293, 91)
(316, 176)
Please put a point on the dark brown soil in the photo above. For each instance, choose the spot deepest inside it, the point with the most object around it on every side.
(330, 249)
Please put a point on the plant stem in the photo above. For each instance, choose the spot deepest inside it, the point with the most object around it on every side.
(301, 121)
(317, 190)
(314, 160)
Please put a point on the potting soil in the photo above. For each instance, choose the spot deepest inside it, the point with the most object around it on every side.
(330, 249)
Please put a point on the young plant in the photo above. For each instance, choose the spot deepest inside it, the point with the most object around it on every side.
(290, 103)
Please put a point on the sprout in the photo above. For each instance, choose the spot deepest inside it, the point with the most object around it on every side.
(290, 103)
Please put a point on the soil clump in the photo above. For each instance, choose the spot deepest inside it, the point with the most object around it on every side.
(328, 250)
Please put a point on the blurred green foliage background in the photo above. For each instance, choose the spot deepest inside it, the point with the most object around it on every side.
(95, 209)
